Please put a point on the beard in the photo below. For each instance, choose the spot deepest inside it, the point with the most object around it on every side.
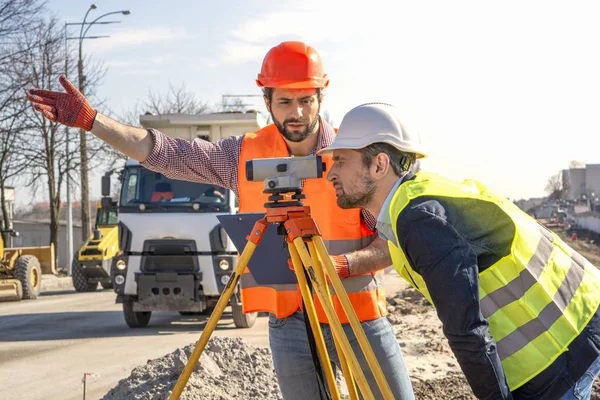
(361, 199)
(297, 136)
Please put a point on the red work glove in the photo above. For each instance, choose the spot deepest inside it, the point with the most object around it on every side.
(70, 108)
(340, 263)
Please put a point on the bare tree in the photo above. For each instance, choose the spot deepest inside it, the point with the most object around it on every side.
(178, 100)
(16, 16)
(554, 187)
(12, 163)
(231, 104)
(44, 147)
(131, 116)
(576, 164)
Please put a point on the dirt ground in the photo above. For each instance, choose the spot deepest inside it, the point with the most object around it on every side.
(433, 369)
(434, 372)
(419, 332)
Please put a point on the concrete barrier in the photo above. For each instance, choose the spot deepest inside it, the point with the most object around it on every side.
(53, 283)
(589, 221)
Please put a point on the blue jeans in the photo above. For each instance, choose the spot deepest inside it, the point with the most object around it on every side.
(582, 390)
(294, 365)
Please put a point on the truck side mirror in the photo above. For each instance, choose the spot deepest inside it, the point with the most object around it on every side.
(106, 202)
(106, 185)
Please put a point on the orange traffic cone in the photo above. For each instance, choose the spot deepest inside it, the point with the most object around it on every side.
(574, 237)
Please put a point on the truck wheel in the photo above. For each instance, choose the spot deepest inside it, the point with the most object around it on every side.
(135, 319)
(80, 281)
(240, 319)
(106, 285)
(207, 311)
(28, 271)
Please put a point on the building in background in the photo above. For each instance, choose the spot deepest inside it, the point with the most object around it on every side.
(528, 205)
(582, 183)
(212, 127)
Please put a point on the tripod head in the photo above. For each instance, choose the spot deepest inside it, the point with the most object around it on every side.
(284, 176)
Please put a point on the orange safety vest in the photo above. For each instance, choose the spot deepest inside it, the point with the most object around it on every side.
(342, 231)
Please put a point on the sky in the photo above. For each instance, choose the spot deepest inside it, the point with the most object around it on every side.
(504, 92)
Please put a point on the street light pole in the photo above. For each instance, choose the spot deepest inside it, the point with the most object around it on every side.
(85, 192)
(85, 199)
(69, 204)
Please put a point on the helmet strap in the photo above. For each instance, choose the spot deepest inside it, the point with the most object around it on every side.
(407, 160)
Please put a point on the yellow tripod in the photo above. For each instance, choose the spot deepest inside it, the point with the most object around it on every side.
(308, 253)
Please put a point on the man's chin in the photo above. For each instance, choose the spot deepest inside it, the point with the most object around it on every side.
(342, 204)
(296, 137)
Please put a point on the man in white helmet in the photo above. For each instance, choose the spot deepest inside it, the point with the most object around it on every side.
(519, 307)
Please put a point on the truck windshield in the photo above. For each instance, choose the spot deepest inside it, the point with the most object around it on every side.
(142, 186)
(107, 217)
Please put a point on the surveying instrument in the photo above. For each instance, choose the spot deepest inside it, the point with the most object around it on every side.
(283, 182)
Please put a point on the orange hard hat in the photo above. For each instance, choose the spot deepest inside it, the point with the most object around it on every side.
(292, 65)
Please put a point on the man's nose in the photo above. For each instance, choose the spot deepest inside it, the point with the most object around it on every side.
(331, 176)
(297, 111)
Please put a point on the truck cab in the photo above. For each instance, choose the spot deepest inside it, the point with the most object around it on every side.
(175, 254)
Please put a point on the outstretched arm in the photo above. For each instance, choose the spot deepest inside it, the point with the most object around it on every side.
(71, 108)
(196, 161)
(136, 143)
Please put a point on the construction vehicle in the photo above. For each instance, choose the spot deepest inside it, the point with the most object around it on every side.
(92, 263)
(21, 270)
(176, 255)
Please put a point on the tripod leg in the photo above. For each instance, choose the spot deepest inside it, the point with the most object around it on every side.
(314, 322)
(334, 322)
(213, 320)
(354, 322)
(343, 362)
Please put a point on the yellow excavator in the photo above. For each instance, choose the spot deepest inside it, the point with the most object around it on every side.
(21, 270)
(92, 264)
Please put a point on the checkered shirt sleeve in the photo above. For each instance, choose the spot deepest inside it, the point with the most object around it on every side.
(197, 160)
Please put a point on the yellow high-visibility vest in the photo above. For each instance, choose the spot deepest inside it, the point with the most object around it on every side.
(537, 299)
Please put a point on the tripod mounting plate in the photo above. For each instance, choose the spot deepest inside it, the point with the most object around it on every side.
(269, 261)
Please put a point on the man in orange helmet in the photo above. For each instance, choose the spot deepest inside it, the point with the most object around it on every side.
(292, 80)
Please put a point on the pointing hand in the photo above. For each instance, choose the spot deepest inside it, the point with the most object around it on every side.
(70, 108)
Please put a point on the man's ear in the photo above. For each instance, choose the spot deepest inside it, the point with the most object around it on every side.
(381, 165)
(267, 104)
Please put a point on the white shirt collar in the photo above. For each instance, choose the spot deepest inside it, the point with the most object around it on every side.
(384, 226)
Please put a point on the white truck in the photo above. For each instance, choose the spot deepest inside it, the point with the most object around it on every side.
(175, 254)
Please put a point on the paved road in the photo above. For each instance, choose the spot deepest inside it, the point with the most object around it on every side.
(46, 345)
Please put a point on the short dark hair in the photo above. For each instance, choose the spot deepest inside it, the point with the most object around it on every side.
(268, 93)
(400, 161)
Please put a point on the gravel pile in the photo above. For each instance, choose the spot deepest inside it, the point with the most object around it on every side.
(229, 368)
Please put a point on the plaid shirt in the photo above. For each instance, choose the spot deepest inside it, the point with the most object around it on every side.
(214, 162)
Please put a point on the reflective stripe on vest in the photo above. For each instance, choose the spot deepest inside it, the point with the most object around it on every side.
(342, 231)
(537, 299)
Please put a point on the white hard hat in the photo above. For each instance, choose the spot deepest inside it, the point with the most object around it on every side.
(374, 123)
